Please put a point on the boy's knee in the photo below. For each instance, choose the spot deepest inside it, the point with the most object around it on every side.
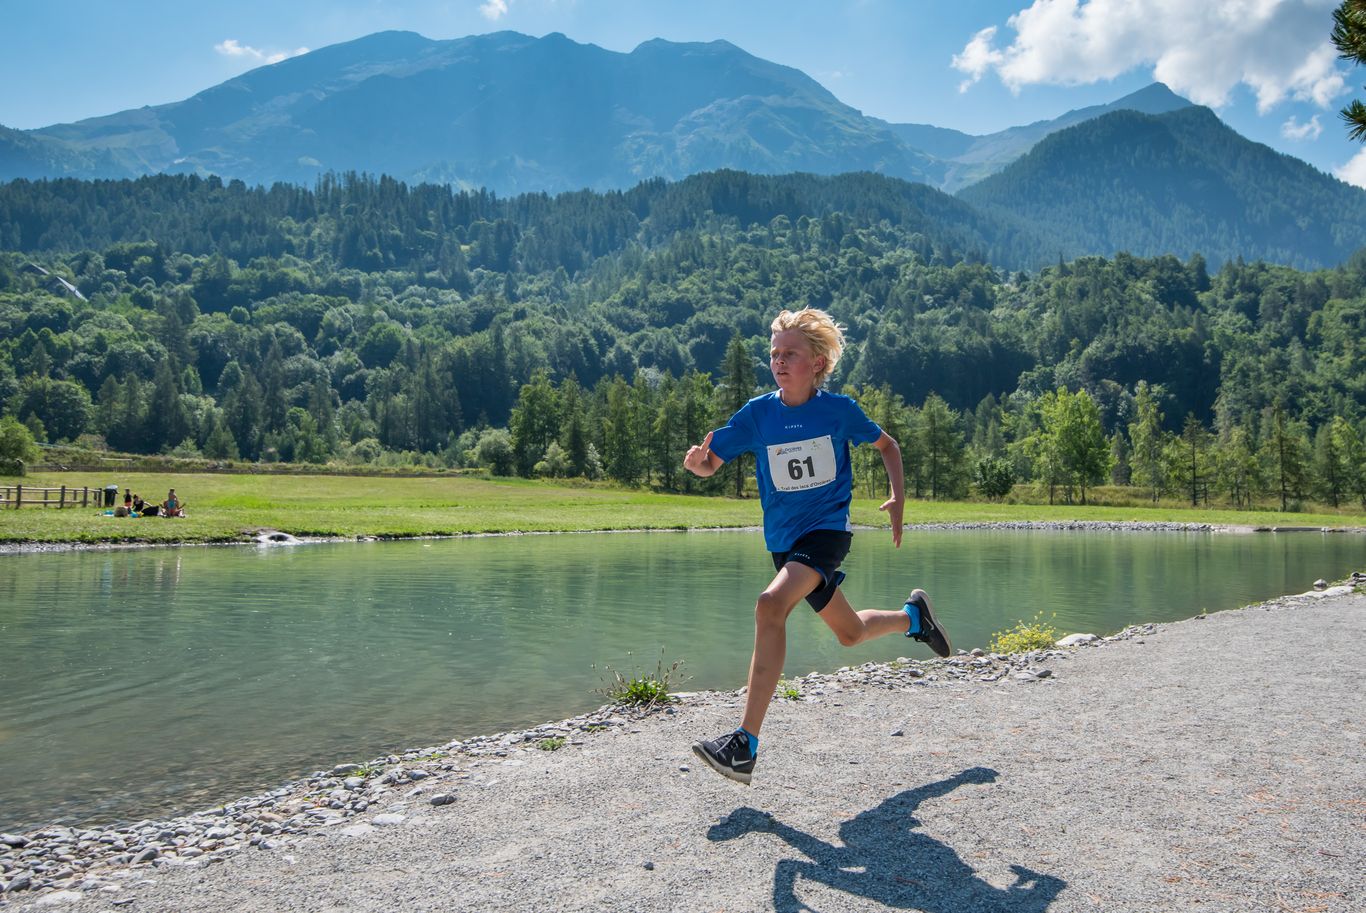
(770, 609)
(849, 638)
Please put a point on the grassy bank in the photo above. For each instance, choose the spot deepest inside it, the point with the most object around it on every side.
(227, 508)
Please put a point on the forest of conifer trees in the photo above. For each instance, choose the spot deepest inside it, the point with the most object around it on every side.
(597, 335)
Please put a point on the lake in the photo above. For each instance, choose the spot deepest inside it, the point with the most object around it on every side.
(146, 683)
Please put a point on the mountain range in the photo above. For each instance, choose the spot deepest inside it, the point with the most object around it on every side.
(514, 113)
(1149, 173)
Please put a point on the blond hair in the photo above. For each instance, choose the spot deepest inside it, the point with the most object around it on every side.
(825, 336)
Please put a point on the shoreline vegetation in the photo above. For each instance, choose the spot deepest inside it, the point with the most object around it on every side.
(235, 508)
(224, 509)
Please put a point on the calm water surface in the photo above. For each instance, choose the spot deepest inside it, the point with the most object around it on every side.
(147, 683)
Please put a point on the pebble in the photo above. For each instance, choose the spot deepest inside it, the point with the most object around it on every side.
(649, 866)
(442, 799)
(58, 897)
(387, 820)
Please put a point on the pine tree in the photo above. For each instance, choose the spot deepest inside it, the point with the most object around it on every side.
(573, 426)
(1283, 448)
(1120, 472)
(1349, 37)
(621, 445)
(167, 424)
(1328, 470)
(535, 422)
(736, 389)
(1352, 454)
(669, 444)
(1190, 459)
(1239, 470)
(1148, 442)
(945, 467)
(274, 407)
(698, 395)
(220, 444)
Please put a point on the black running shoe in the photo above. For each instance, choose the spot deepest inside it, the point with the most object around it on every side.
(728, 755)
(931, 633)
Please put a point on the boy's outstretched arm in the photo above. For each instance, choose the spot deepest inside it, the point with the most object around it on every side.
(700, 461)
(891, 459)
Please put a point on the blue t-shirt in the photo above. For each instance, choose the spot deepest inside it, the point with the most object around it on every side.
(801, 459)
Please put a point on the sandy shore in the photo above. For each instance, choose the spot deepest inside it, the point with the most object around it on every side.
(1215, 764)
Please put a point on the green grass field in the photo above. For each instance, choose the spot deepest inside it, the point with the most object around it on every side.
(229, 508)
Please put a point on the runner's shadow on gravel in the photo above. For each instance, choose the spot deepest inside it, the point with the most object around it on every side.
(886, 859)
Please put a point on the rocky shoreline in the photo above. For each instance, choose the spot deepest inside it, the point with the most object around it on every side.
(104, 858)
(66, 863)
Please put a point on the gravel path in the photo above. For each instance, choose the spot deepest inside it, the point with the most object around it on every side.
(1215, 764)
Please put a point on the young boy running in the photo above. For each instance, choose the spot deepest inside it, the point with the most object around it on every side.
(800, 437)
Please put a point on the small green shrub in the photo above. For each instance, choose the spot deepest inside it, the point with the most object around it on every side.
(644, 689)
(553, 743)
(789, 690)
(1036, 635)
(993, 477)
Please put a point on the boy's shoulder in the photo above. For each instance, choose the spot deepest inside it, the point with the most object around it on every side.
(839, 398)
(826, 397)
(824, 406)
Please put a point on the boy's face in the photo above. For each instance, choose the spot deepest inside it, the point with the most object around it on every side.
(793, 363)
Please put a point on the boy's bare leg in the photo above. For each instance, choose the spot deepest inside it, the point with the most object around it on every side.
(855, 627)
(793, 583)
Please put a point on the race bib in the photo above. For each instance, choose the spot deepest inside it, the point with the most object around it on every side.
(800, 465)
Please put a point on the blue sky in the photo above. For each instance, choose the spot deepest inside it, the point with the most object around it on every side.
(1264, 65)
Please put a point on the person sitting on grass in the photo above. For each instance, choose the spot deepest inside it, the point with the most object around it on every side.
(172, 507)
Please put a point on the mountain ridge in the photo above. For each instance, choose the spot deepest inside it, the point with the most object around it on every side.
(1181, 182)
(517, 114)
(664, 109)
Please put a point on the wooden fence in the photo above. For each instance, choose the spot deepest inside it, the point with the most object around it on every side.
(16, 496)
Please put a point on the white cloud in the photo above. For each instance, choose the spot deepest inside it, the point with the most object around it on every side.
(1278, 48)
(978, 56)
(232, 48)
(1354, 172)
(1310, 130)
(494, 10)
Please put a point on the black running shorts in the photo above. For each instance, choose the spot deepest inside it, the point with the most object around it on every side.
(823, 550)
